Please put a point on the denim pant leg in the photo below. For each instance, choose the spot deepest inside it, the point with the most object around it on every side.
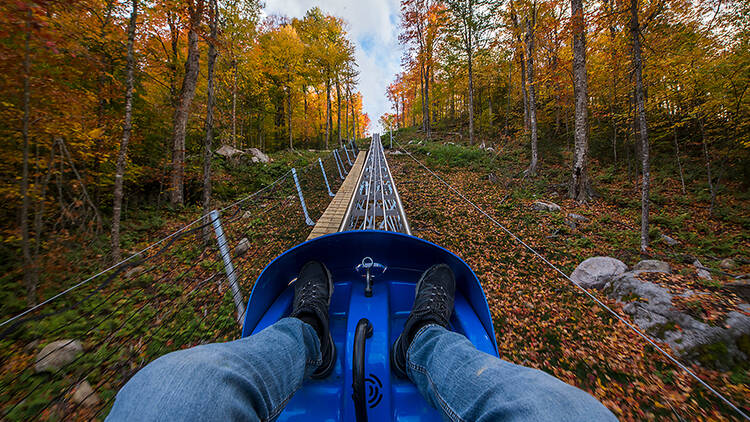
(250, 379)
(469, 385)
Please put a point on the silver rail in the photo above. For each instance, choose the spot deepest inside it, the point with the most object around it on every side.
(376, 204)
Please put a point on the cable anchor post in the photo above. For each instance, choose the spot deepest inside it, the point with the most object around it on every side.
(325, 178)
(239, 302)
(308, 220)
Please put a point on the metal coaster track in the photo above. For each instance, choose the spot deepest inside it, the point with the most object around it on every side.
(375, 204)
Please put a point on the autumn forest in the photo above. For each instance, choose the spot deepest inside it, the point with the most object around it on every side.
(613, 129)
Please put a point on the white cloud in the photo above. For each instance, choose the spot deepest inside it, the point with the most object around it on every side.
(373, 27)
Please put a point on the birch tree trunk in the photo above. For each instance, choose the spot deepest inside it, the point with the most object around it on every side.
(635, 31)
(183, 105)
(471, 94)
(234, 103)
(532, 92)
(127, 128)
(209, 124)
(580, 187)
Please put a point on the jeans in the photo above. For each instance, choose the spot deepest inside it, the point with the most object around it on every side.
(253, 378)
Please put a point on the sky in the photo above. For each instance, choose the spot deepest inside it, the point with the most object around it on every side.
(373, 27)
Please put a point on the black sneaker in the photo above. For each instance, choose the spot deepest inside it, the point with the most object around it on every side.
(433, 304)
(312, 296)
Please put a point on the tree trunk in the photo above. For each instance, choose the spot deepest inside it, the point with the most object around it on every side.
(428, 129)
(183, 106)
(677, 154)
(532, 93)
(580, 187)
(289, 115)
(209, 124)
(707, 160)
(338, 107)
(28, 270)
(234, 103)
(471, 96)
(127, 127)
(328, 110)
(642, 128)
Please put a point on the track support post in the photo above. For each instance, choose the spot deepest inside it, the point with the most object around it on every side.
(239, 302)
(325, 178)
(308, 220)
(348, 160)
(339, 163)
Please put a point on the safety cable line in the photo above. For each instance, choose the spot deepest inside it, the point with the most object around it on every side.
(137, 254)
(590, 295)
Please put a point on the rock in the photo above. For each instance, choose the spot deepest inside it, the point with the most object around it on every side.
(578, 217)
(490, 149)
(597, 271)
(242, 247)
(247, 214)
(727, 264)
(258, 155)
(701, 272)
(134, 272)
(57, 354)
(740, 288)
(228, 151)
(651, 308)
(545, 206)
(669, 241)
(395, 152)
(31, 346)
(85, 395)
(653, 265)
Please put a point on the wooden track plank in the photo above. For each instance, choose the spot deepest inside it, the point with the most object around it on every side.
(331, 219)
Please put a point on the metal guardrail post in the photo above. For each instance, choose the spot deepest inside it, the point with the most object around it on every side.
(339, 163)
(308, 220)
(325, 178)
(348, 160)
(239, 302)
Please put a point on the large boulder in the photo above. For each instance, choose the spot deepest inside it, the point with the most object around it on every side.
(228, 151)
(258, 155)
(57, 354)
(651, 308)
(597, 271)
(653, 265)
(85, 395)
(545, 206)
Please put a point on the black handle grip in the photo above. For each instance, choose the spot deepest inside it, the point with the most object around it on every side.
(362, 332)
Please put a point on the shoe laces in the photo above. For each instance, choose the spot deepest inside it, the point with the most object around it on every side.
(437, 300)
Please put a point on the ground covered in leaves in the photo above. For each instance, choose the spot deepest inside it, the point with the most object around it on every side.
(541, 319)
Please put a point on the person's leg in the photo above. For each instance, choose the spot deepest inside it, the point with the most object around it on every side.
(248, 379)
(469, 385)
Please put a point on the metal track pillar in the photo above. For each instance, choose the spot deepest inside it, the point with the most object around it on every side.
(308, 220)
(325, 178)
(239, 302)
